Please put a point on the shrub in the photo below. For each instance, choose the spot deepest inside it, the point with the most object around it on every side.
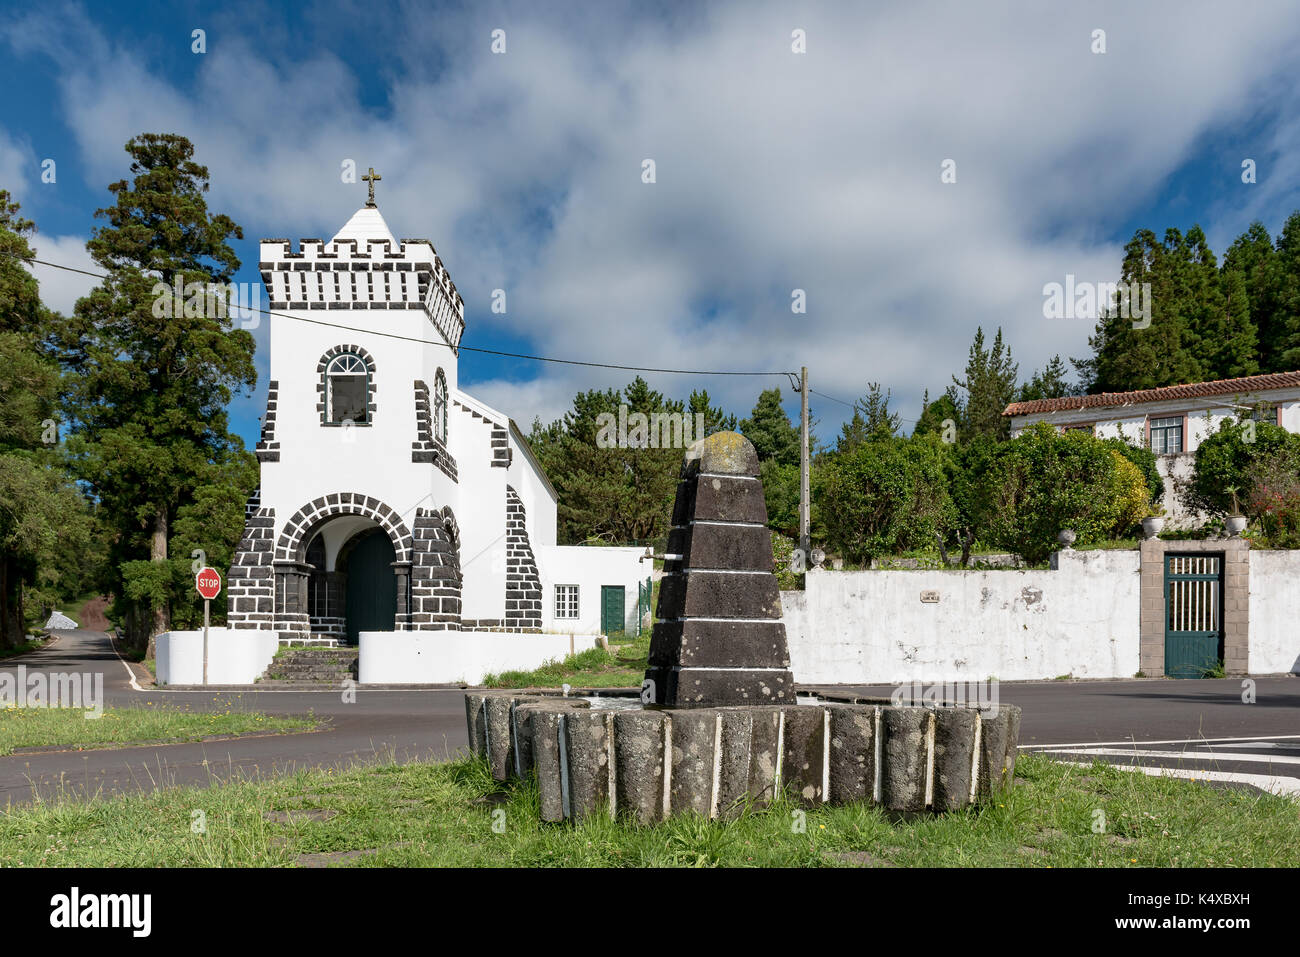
(1133, 495)
(1044, 481)
(1227, 461)
(1145, 460)
(1273, 501)
(885, 496)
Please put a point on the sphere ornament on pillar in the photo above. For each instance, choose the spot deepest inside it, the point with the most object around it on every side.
(1066, 537)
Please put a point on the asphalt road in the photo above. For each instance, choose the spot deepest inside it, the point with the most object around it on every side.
(1182, 721)
(407, 725)
(1228, 731)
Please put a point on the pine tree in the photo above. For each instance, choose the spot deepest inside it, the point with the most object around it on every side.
(871, 420)
(1051, 383)
(946, 408)
(1253, 256)
(989, 386)
(770, 430)
(614, 492)
(1238, 351)
(715, 419)
(1219, 330)
(1161, 348)
(1288, 295)
(153, 376)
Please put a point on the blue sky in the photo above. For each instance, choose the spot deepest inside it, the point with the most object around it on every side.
(775, 170)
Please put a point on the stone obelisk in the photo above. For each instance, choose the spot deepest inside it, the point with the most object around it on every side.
(718, 637)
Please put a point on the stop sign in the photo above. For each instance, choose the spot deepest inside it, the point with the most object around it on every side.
(208, 582)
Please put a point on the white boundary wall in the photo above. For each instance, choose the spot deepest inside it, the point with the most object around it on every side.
(1079, 618)
(236, 656)
(448, 657)
(1274, 611)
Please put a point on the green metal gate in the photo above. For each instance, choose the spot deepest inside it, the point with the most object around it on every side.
(1193, 614)
(612, 609)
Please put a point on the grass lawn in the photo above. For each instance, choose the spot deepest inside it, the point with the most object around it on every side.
(622, 666)
(22, 649)
(443, 814)
(71, 728)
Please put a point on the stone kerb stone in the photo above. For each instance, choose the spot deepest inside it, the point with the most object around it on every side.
(654, 763)
(718, 639)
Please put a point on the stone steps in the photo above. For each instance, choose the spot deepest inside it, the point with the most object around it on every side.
(308, 666)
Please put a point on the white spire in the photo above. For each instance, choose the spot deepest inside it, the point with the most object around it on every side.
(366, 224)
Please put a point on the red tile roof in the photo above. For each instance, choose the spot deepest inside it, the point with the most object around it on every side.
(1193, 390)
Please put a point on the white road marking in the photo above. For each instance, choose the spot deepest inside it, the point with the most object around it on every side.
(129, 673)
(1193, 755)
(1281, 786)
(1130, 743)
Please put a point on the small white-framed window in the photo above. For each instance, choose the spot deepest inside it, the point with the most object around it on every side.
(440, 407)
(1167, 435)
(566, 601)
(347, 390)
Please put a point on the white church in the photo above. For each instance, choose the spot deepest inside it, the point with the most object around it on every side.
(396, 511)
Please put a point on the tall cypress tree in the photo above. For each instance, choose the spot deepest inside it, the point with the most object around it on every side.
(1238, 349)
(715, 419)
(1051, 383)
(152, 375)
(1253, 256)
(1220, 334)
(990, 385)
(770, 430)
(1162, 348)
(1287, 274)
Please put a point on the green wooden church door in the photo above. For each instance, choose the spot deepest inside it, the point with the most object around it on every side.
(372, 586)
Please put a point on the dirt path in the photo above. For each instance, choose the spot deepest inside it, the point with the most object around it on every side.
(92, 614)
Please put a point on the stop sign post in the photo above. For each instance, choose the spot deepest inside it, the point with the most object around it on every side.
(208, 583)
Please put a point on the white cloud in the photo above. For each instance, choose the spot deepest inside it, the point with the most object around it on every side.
(15, 165)
(61, 289)
(775, 171)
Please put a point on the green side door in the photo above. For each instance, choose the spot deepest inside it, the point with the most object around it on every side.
(612, 609)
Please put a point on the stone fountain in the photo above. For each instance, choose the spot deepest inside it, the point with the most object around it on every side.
(718, 722)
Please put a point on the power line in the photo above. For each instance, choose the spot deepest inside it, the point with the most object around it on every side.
(832, 398)
(432, 342)
(853, 405)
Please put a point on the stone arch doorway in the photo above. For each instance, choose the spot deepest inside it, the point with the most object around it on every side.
(322, 547)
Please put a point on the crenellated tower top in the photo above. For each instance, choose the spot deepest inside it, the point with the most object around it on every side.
(363, 267)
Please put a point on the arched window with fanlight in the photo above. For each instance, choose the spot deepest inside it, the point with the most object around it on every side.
(347, 390)
(440, 407)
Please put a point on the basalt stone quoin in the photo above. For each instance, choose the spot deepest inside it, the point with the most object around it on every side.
(718, 639)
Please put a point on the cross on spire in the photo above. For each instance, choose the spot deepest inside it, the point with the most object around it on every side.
(371, 178)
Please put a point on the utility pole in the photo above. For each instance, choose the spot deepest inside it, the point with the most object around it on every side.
(805, 521)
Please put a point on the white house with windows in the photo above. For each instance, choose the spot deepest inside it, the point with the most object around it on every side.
(1172, 421)
(395, 510)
